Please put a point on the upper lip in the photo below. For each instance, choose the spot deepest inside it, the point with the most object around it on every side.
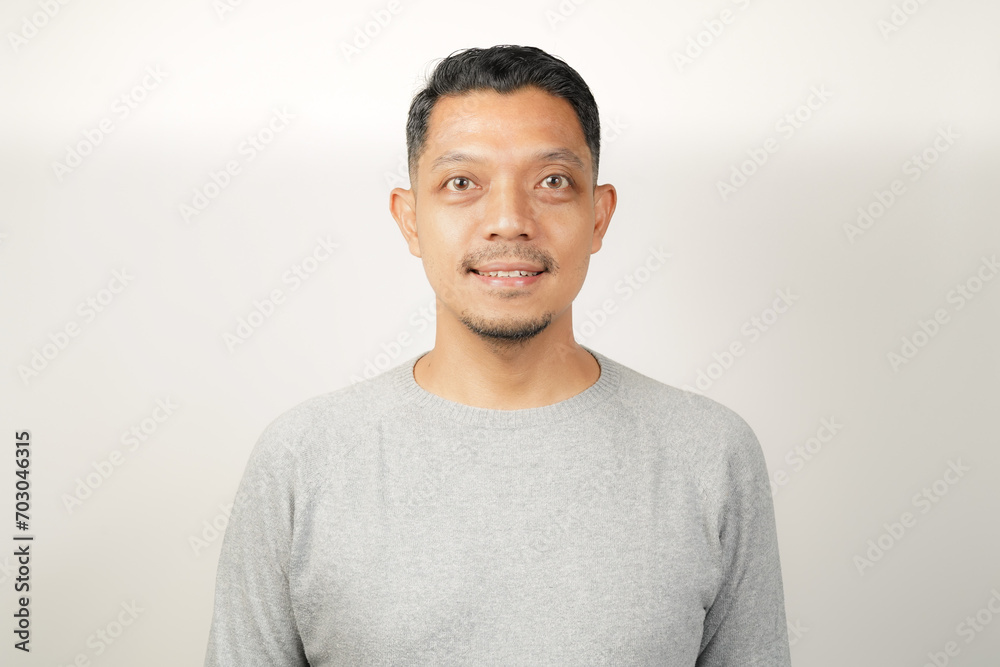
(503, 266)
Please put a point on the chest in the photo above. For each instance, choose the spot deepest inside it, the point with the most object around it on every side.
(487, 565)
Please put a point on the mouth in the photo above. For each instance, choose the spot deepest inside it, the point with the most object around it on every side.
(508, 275)
(505, 274)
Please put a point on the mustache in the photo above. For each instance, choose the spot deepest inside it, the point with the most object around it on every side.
(511, 252)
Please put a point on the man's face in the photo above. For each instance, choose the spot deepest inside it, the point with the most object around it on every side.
(505, 184)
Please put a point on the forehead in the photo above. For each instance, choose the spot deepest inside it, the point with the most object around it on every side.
(486, 120)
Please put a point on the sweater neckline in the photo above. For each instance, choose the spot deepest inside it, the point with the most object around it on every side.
(606, 385)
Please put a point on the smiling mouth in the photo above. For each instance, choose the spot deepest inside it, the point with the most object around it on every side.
(505, 274)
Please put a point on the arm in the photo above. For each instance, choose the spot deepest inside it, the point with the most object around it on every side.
(745, 625)
(253, 622)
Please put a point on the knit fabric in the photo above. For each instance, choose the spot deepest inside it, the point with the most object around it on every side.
(381, 524)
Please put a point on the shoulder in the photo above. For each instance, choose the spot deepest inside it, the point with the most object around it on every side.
(324, 427)
(714, 439)
(656, 401)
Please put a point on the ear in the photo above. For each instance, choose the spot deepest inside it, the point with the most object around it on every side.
(403, 206)
(605, 201)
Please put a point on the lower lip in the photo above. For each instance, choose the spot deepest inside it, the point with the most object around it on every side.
(511, 281)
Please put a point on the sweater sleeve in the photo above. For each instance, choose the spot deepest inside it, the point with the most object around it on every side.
(745, 626)
(253, 622)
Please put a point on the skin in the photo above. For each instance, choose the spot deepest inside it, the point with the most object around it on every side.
(504, 203)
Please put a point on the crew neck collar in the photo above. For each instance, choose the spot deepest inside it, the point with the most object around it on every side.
(409, 390)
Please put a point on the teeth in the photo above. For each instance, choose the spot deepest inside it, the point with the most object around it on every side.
(509, 274)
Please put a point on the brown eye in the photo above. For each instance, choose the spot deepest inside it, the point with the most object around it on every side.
(459, 184)
(557, 182)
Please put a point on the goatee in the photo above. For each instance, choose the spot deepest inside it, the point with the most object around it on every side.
(506, 333)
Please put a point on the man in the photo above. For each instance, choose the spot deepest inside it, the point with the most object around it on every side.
(510, 497)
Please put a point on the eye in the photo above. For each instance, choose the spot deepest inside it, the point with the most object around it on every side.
(458, 184)
(557, 182)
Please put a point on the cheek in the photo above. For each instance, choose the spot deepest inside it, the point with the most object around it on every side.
(441, 251)
(580, 268)
(446, 233)
(579, 251)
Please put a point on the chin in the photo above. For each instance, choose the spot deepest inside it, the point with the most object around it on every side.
(507, 330)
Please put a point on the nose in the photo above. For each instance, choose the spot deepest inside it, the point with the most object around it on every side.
(509, 212)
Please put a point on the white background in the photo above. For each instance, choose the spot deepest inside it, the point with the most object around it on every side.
(673, 130)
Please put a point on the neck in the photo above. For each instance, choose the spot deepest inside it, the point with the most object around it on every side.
(468, 369)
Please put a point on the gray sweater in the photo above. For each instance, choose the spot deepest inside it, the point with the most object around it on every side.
(631, 524)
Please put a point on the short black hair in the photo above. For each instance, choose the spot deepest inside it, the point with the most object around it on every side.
(505, 69)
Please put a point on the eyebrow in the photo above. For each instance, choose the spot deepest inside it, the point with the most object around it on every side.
(552, 155)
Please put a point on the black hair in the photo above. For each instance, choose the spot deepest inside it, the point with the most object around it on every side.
(505, 69)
